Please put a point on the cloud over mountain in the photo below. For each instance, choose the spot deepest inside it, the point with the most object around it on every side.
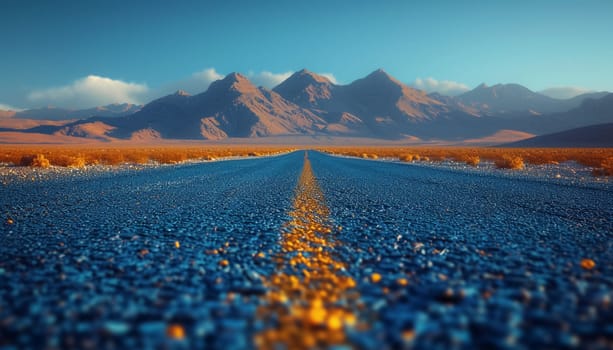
(195, 83)
(90, 91)
(330, 77)
(564, 92)
(268, 79)
(444, 87)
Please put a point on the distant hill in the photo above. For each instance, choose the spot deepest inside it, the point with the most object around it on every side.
(53, 113)
(590, 112)
(600, 135)
(512, 98)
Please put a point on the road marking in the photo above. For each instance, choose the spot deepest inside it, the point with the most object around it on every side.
(310, 300)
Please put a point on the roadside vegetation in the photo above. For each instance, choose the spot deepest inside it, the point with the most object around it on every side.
(81, 156)
(599, 159)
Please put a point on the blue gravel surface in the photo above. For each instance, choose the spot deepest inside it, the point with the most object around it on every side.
(109, 260)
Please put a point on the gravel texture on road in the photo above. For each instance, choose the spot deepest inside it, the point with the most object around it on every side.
(474, 260)
(114, 259)
(191, 256)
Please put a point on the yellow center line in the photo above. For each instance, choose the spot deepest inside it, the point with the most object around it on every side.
(310, 300)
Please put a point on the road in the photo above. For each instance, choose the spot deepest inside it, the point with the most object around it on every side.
(303, 250)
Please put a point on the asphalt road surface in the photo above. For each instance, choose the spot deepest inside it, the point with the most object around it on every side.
(304, 250)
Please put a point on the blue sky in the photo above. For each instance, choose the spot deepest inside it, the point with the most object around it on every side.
(78, 53)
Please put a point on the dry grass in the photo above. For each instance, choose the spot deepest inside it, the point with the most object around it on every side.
(80, 156)
(600, 159)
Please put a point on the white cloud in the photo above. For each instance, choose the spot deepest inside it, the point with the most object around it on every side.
(196, 83)
(207, 75)
(330, 77)
(90, 91)
(564, 92)
(268, 79)
(444, 87)
(5, 107)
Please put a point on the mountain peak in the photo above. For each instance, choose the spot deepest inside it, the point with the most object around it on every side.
(235, 77)
(379, 73)
(307, 77)
(380, 78)
(305, 88)
(234, 82)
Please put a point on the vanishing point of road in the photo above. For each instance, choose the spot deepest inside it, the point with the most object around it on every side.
(304, 250)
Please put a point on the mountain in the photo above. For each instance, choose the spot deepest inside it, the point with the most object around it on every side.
(306, 89)
(377, 104)
(454, 102)
(231, 107)
(576, 101)
(380, 96)
(53, 113)
(590, 112)
(48, 117)
(389, 108)
(506, 98)
(509, 99)
(589, 136)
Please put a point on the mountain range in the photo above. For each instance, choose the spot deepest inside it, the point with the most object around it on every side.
(307, 104)
(513, 98)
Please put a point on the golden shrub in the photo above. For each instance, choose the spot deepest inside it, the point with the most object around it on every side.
(72, 161)
(406, 157)
(137, 157)
(37, 160)
(472, 160)
(77, 162)
(469, 159)
(509, 162)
